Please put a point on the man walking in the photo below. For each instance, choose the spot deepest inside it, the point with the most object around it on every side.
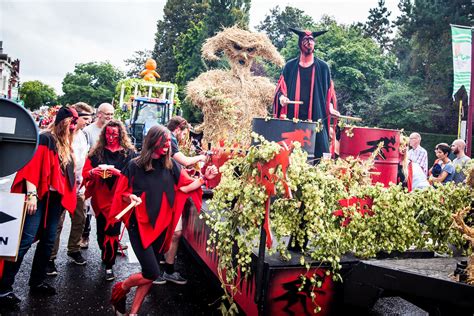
(105, 113)
(78, 220)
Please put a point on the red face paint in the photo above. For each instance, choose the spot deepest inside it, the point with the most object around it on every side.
(112, 138)
(161, 150)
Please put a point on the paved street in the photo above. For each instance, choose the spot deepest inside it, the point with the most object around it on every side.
(83, 290)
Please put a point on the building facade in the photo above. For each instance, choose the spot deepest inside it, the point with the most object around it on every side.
(9, 75)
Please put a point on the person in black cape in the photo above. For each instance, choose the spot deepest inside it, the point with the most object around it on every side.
(306, 78)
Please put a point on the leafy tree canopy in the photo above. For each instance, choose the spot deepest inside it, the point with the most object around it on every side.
(93, 83)
(36, 94)
(423, 48)
(378, 25)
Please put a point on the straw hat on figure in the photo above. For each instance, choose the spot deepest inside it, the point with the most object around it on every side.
(229, 99)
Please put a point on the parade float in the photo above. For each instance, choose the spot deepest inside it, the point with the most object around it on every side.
(146, 102)
(287, 235)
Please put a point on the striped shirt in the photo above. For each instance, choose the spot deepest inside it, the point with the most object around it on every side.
(420, 156)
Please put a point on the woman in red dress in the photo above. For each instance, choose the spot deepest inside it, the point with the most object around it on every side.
(101, 171)
(160, 188)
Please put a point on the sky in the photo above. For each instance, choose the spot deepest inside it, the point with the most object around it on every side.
(51, 36)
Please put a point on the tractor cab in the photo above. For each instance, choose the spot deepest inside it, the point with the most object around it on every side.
(148, 111)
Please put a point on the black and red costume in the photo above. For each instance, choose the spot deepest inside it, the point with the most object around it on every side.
(152, 223)
(101, 191)
(56, 190)
(312, 85)
(45, 172)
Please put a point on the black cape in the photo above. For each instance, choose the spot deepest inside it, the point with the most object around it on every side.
(322, 84)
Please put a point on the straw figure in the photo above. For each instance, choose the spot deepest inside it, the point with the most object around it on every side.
(467, 231)
(229, 99)
(149, 74)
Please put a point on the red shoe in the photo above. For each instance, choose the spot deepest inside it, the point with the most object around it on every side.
(118, 299)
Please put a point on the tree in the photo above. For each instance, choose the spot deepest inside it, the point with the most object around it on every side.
(136, 63)
(378, 25)
(187, 52)
(423, 48)
(36, 94)
(227, 13)
(276, 24)
(177, 18)
(93, 83)
(398, 104)
(180, 35)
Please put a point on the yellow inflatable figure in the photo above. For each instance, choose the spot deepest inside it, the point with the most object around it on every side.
(149, 73)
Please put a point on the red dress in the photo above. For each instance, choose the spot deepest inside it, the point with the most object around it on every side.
(162, 201)
(102, 190)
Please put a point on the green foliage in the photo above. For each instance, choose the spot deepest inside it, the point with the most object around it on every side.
(277, 22)
(181, 33)
(187, 53)
(396, 220)
(177, 18)
(36, 94)
(423, 48)
(398, 105)
(136, 63)
(227, 13)
(93, 83)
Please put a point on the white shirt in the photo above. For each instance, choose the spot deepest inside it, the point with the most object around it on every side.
(92, 132)
(81, 149)
(419, 177)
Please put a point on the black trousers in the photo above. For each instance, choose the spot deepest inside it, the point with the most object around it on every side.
(149, 258)
(108, 247)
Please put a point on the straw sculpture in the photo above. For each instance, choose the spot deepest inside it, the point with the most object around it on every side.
(229, 99)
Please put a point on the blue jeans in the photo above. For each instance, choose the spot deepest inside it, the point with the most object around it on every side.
(32, 228)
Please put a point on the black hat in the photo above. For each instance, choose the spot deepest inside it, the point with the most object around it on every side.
(63, 113)
(305, 33)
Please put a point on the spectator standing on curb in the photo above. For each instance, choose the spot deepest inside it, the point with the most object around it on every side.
(461, 160)
(417, 153)
(443, 170)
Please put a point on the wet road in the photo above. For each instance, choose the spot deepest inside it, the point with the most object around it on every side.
(82, 290)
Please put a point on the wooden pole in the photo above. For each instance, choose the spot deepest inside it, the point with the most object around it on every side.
(125, 210)
(470, 110)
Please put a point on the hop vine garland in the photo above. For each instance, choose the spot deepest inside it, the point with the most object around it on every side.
(397, 220)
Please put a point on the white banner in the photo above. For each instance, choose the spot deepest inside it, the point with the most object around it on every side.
(11, 223)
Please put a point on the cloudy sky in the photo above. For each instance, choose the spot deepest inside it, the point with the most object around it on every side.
(51, 36)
